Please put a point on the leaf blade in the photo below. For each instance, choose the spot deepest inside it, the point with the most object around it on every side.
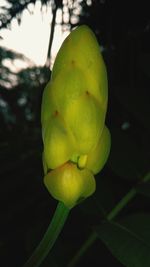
(128, 247)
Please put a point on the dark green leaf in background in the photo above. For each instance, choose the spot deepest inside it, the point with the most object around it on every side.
(139, 224)
(129, 241)
(144, 189)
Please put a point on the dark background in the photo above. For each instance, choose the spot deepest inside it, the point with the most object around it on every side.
(123, 30)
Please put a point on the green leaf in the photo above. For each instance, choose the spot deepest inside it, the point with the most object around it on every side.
(139, 224)
(129, 247)
(144, 189)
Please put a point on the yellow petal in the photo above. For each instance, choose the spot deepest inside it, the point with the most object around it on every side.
(85, 119)
(81, 49)
(97, 158)
(70, 184)
(57, 142)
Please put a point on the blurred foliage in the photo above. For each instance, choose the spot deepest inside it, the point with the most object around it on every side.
(20, 93)
(7, 75)
(14, 9)
(130, 241)
(123, 29)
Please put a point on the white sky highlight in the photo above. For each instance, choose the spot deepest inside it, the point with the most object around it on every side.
(31, 37)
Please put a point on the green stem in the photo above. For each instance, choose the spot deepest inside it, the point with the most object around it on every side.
(50, 236)
(121, 204)
(83, 249)
(111, 215)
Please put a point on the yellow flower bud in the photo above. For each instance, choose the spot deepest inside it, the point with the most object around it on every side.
(57, 142)
(98, 156)
(69, 184)
(73, 115)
